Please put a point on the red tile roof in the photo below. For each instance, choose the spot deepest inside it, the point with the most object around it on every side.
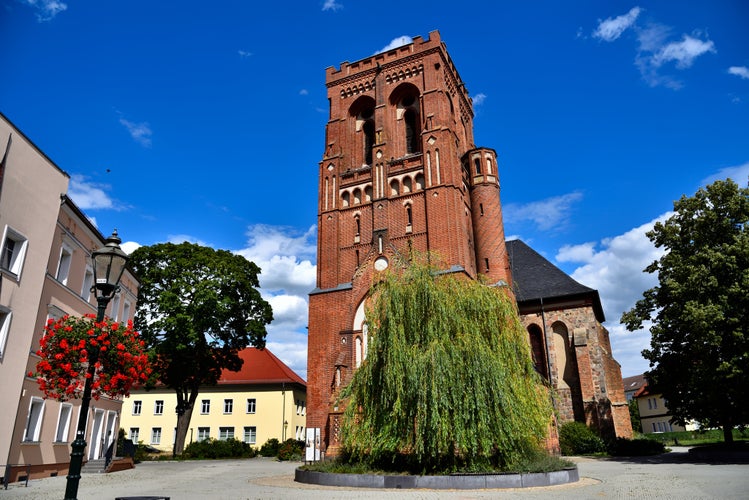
(261, 367)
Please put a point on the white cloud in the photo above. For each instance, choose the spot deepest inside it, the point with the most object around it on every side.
(739, 174)
(182, 238)
(244, 54)
(88, 195)
(684, 52)
(304, 92)
(141, 132)
(479, 99)
(616, 271)
(612, 28)
(285, 257)
(331, 5)
(551, 213)
(741, 71)
(395, 43)
(46, 10)
(130, 246)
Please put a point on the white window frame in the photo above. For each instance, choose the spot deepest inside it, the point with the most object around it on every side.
(62, 432)
(19, 251)
(225, 433)
(228, 406)
(205, 406)
(6, 315)
(126, 307)
(204, 433)
(250, 434)
(34, 420)
(158, 407)
(137, 407)
(134, 434)
(63, 264)
(88, 283)
(116, 308)
(251, 405)
(155, 435)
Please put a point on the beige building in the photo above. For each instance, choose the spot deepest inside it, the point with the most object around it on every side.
(46, 273)
(654, 415)
(264, 400)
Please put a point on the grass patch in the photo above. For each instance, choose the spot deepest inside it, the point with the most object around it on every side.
(697, 438)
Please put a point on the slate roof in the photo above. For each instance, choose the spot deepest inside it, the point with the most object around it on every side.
(260, 367)
(634, 383)
(535, 279)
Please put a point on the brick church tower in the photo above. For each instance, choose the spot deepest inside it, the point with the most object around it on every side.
(400, 173)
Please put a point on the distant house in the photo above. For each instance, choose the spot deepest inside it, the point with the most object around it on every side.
(264, 400)
(654, 414)
(632, 385)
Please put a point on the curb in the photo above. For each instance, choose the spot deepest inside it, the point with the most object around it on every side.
(456, 482)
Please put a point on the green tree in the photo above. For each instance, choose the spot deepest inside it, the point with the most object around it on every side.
(699, 350)
(448, 382)
(197, 308)
(634, 415)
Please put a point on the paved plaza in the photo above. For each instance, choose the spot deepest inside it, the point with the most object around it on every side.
(675, 475)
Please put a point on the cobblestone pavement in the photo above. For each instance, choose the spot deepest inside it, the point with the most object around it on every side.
(673, 475)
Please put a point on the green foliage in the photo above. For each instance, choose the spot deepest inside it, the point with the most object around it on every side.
(213, 448)
(448, 382)
(636, 447)
(197, 308)
(698, 437)
(576, 438)
(700, 308)
(634, 415)
(270, 448)
(291, 449)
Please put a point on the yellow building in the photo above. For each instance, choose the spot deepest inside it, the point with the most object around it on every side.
(264, 400)
(654, 414)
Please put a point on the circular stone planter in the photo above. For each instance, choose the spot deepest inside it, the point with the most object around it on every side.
(451, 482)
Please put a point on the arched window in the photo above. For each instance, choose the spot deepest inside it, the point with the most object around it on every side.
(357, 196)
(407, 185)
(368, 193)
(538, 349)
(565, 371)
(394, 187)
(369, 138)
(477, 164)
(358, 225)
(409, 215)
(345, 199)
(413, 134)
(419, 182)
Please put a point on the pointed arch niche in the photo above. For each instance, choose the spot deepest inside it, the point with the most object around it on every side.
(360, 335)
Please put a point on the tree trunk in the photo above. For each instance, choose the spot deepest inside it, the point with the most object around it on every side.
(727, 432)
(184, 415)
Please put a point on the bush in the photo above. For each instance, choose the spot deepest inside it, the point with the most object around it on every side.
(270, 448)
(636, 447)
(291, 449)
(576, 438)
(212, 448)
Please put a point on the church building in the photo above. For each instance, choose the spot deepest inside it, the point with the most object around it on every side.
(401, 173)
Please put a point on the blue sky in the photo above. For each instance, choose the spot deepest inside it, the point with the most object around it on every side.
(205, 122)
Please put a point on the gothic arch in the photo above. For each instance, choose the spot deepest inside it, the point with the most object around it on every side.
(405, 99)
(538, 349)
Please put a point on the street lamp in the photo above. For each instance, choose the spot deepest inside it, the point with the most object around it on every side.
(109, 264)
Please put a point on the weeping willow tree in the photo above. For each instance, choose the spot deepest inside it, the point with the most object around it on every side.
(448, 383)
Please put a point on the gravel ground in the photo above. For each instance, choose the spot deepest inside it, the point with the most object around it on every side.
(673, 475)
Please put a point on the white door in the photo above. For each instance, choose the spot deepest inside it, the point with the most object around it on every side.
(95, 441)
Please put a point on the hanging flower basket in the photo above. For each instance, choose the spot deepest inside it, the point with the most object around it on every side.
(70, 343)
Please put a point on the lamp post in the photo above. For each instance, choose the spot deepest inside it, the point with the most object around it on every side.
(109, 264)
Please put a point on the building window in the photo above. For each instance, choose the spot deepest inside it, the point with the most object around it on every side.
(63, 267)
(5, 316)
(413, 139)
(204, 433)
(88, 282)
(115, 311)
(13, 251)
(34, 420)
(137, 407)
(369, 136)
(225, 433)
(650, 404)
(477, 164)
(63, 423)
(156, 435)
(126, 311)
(205, 407)
(655, 403)
(655, 429)
(250, 435)
(228, 405)
(158, 407)
(251, 405)
(134, 434)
